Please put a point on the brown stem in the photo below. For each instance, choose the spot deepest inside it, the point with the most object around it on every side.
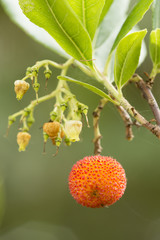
(150, 80)
(126, 105)
(134, 113)
(147, 94)
(127, 121)
(97, 134)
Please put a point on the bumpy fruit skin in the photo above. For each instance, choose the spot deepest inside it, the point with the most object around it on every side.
(97, 181)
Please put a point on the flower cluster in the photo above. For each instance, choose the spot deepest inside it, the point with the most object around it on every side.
(65, 117)
(56, 131)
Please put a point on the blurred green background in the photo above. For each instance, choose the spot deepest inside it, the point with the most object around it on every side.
(35, 202)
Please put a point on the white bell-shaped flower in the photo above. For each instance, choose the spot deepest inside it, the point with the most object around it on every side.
(73, 129)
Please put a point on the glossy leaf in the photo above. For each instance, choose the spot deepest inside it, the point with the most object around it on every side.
(112, 22)
(89, 12)
(155, 46)
(88, 86)
(156, 14)
(59, 20)
(106, 7)
(127, 57)
(14, 11)
(108, 30)
(134, 17)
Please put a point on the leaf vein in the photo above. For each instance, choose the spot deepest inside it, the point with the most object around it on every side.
(54, 16)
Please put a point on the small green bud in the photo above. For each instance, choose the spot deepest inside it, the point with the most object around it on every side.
(45, 137)
(26, 112)
(83, 108)
(34, 72)
(58, 141)
(25, 128)
(53, 115)
(28, 71)
(36, 87)
(67, 141)
(85, 111)
(30, 121)
(63, 106)
(47, 73)
(11, 120)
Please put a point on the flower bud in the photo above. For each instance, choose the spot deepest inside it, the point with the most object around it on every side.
(56, 141)
(20, 88)
(63, 106)
(83, 108)
(53, 115)
(36, 87)
(23, 140)
(11, 120)
(28, 71)
(34, 72)
(47, 73)
(67, 141)
(30, 120)
(45, 137)
(73, 129)
(27, 111)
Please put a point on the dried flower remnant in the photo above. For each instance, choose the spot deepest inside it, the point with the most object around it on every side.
(23, 139)
(53, 129)
(97, 181)
(20, 88)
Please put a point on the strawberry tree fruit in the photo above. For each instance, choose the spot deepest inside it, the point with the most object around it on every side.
(97, 181)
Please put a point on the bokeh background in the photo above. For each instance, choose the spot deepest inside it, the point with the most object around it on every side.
(35, 202)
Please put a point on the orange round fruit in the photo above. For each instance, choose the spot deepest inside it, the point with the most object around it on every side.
(97, 181)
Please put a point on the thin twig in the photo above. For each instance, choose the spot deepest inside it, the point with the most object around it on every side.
(97, 134)
(147, 94)
(134, 113)
(126, 105)
(127, 121)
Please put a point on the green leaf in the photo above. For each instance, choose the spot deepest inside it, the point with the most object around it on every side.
(127, 57)
(108, 31)
(14, 11)
(134, 17)
(155, 47)
(88, 86)
(59, 20)
(106, 7)
(156, 14)
(89, 12)
(111, 25)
